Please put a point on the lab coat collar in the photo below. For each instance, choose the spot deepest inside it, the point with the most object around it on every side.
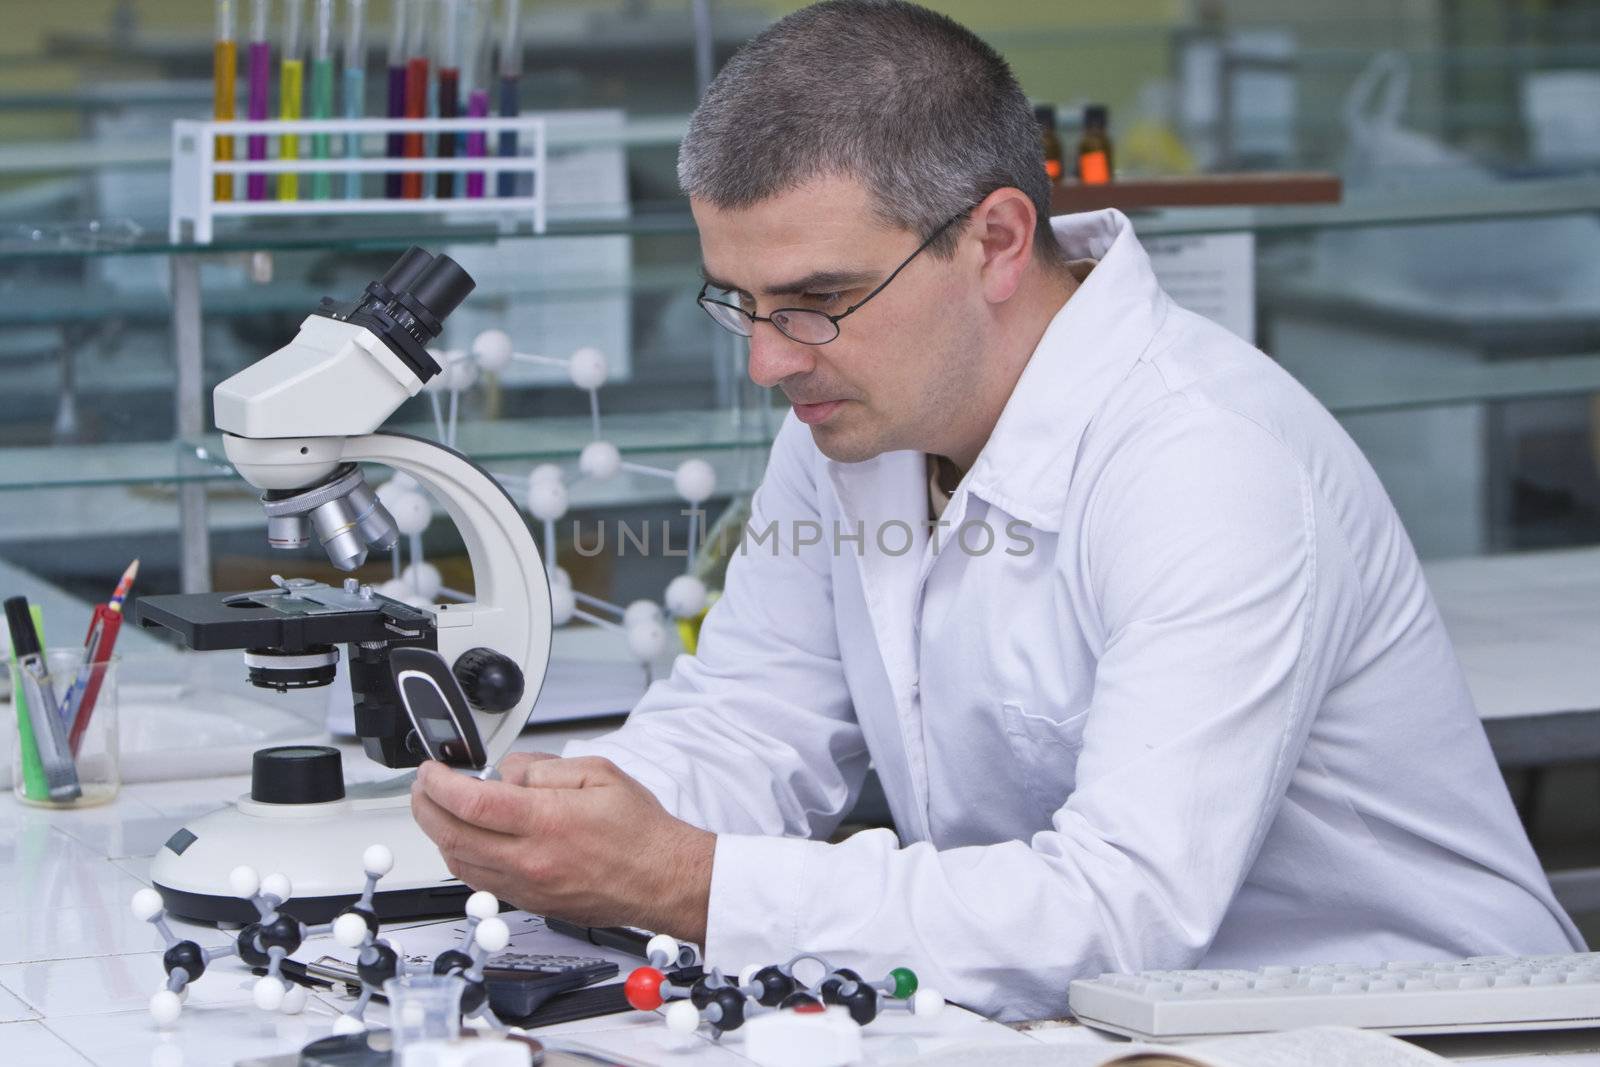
(1090, 345)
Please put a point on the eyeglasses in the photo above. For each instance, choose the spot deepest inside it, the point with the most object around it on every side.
(806, 325)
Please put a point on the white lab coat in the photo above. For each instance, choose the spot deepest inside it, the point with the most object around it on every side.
(1211, 719)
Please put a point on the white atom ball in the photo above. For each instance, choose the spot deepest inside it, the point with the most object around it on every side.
(350, 930)
(492, 349)
(493, 934)
(244, 882)
(423, 579)
(748, 975)
(683, 1017)
(348, 1024)
(927, 1003)
(482, 905)
(277, 885)
(547, 499)
(395, 589)
(686, 596)
(399, 482)
(559, 576)
(294, 1000)
(647, 639)
(562, 604)
(695, 480)
(600, 460)
(377, 860)
(588, 368)
(268, 993)
(461, 373)
(664, 945)
(165, 1007)
(641, 611)
(411, 510)
(545, 472)
(146, 904)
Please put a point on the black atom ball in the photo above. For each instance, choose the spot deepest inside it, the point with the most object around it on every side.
(248, 952)
(862, 1004)
(701, 994)
(731, 1002)
(775, 985)
(185, 954)
(451, 961)
(282, 932)
(382, 968)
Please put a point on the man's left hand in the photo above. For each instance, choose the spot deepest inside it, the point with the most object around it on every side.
(575, 838)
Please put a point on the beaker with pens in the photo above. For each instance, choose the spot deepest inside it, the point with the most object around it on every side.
(64, 751)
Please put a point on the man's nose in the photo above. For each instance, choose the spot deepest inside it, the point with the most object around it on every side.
(774, 357)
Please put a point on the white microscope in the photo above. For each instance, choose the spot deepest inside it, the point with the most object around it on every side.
(297, 425)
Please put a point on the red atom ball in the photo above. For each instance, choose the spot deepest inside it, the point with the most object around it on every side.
(809, 1009)
(643, 988)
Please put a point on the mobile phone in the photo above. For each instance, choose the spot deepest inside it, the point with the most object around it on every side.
(438, 709)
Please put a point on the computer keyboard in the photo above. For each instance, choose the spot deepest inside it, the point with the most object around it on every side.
(1485, 993)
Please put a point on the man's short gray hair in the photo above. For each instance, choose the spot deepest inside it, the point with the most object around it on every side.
(905, 100)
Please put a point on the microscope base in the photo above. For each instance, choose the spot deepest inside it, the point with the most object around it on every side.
(319, 847)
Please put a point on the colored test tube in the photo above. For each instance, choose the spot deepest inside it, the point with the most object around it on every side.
(448, 42)
(322, 93)
(475, 72)
(260, 91)
(224, 91)
(291, 93)
(510, 75)
(396, 142)
(355, 87)
(411, 185)
(477, 140)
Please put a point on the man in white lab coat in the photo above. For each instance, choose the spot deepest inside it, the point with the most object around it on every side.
(1122, 619)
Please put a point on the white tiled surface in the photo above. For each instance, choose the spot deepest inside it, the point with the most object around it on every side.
(76, 969)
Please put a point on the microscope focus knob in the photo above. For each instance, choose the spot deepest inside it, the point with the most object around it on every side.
(491, 681)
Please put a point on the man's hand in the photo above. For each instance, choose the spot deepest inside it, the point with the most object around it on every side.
(575, 838)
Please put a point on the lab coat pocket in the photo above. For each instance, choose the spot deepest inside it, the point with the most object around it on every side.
(1046, 752)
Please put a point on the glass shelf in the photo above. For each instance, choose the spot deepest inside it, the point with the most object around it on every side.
(539, 440)
(1498, 200)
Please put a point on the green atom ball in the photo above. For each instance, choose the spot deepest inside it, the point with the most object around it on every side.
(905, 983)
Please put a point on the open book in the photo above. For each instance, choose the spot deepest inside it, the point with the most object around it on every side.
(1316, 1046)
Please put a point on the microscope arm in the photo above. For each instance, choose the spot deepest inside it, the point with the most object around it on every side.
(511, 614)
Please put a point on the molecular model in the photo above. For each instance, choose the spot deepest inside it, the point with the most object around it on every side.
(278, 935)
(727, 1005)
(544, 492)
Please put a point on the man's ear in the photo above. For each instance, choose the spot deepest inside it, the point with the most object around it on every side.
(1003, 225)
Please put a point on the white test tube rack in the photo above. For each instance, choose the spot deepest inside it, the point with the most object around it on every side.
(194, 165)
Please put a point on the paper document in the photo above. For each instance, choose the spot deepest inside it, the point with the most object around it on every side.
(1317, 1046)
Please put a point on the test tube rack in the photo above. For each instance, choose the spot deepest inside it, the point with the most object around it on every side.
(194, 166)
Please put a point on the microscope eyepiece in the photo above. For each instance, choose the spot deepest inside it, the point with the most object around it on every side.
(442, 286)
(412, 262)
(406, 308)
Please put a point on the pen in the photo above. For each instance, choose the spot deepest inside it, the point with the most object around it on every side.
(97, 646)
(44, 715)
(622, 938)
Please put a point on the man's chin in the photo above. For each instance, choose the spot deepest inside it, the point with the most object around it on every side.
(839, 444)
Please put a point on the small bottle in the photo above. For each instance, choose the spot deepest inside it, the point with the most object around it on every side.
(1048, 141)
(1094, 150)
